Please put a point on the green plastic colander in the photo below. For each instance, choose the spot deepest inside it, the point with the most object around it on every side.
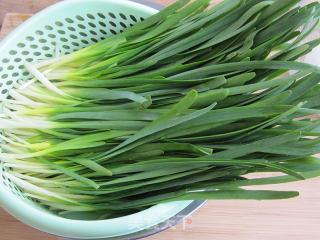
(72, 25)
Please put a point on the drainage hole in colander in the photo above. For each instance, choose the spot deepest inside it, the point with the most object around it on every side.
(112, 15)
(90, 16)
(61, 32)
(51, 35)
(103, 31)
(123, 25)
(123, 16)
(38, 32)
(79, 18)
(4, 76)
(29, 38)
(83, 34)
(72, 29)
(73, 36)
(81, 26)
(8, 83)
(102, 24)
(101, 15)
(64, 39)
(112, 24)
(48, 27)
(12, 52)
(69, 20)
(133, 18)
(25, 52)
(92, 24)
(58, 23)
(21, 45)
(93, 32)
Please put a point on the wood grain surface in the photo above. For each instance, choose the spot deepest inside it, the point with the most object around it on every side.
(294, 219)
(11, 21)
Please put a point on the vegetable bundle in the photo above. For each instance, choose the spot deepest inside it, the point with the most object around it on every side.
(180, 106)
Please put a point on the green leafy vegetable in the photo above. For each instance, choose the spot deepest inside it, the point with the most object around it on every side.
(180, 106)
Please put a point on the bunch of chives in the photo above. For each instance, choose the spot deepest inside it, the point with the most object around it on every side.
(180, 106)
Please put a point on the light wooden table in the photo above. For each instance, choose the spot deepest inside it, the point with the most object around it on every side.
(294, 219)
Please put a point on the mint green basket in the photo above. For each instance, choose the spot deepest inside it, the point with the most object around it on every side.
(72, 25)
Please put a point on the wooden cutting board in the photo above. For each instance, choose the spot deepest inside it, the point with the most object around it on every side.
(294, 219)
